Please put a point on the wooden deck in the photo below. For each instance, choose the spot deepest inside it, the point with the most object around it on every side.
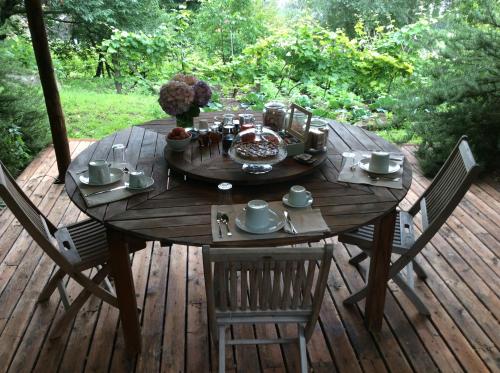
(462, 292)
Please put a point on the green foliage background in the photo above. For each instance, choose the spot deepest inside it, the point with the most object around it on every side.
(23, 123)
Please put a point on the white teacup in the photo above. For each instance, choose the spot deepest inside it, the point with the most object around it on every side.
(136, 180)
(298, 195)
(379, 162)
(257, 214)
(99, 172)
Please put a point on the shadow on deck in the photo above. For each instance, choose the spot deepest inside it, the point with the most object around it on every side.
(461, 292)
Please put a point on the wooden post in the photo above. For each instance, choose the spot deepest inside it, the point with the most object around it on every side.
(49, 85)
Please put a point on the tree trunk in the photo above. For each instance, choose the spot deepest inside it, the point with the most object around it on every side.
(108, 69)
(99, 71)
(49, 85)
(117, 74)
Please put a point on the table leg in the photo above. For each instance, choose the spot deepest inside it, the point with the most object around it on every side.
(125, 292)
(379, 271)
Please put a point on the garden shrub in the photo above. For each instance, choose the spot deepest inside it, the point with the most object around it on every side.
(23, 124)
(459, 92)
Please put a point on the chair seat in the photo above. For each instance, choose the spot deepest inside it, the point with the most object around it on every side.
(403, 234)
(84, 244)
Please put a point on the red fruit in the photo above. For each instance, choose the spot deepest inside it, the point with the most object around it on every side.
(178, 133)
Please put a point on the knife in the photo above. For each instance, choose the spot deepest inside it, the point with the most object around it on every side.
(289, 221)
(104, 191)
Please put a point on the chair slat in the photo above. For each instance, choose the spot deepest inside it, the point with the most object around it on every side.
(299, 279)
(306, 293)
(277, 278)
(222, 285)
(233, 287)
(254, 289)
(244, 285)
(287, 282)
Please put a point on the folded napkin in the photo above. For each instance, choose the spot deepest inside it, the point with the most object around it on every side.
(352, 173)
(315, 228)
(306, 221)
(104, 198)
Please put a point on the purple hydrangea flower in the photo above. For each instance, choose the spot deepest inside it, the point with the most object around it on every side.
(202, 93)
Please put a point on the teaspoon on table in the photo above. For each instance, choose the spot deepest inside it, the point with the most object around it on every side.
(225, 221)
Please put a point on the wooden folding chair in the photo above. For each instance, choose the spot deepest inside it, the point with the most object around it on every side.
(265, 285)
(74, 248)
(435, 206)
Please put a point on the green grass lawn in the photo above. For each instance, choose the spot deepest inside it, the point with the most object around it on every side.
(96, 111)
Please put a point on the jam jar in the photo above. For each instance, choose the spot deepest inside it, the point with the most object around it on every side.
(317, 139)
(274, 115)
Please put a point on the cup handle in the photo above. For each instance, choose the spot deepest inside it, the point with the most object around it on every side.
(309, 194)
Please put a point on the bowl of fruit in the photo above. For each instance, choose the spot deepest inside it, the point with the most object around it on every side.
(178, 139)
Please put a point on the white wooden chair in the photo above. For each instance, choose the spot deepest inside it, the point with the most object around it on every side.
(435, 205)
(74, 248)
(265, 285)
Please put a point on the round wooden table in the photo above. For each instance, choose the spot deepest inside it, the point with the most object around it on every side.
(181, 213)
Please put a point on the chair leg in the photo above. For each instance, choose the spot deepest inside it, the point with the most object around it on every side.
(73, 309)
(222, 349)
(51, 285)
(302, 348)
(358, 258)
(409, 275)
(419, 270)
(410, 293)
(107, 283)
(70, 314)
(64, 295)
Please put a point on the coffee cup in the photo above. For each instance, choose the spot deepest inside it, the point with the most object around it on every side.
(257, 214)
(136, 179)
(379, 162)
(298, 195)
(99, 172)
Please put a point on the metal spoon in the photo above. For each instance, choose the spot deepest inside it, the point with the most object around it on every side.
(225, 220)
(219, 221)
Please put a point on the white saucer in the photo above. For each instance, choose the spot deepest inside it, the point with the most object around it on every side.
(276, 222)
(115, 174)
(394, 166)
(149, 184)
(286, 202)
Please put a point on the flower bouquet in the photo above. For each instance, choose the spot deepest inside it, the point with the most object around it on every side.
(183, 96)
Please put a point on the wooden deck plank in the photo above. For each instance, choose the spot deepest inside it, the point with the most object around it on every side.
(175, 317)
(197, 326)
(461, 293)
(153, 311)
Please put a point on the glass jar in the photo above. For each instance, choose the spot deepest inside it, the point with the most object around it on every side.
(299, 121)
(317, 139)
(274, 115)
(257, 149)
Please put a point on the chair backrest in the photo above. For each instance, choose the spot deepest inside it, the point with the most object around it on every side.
(266, 282)
(443, 195)
(39, 227)
(448, 187)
